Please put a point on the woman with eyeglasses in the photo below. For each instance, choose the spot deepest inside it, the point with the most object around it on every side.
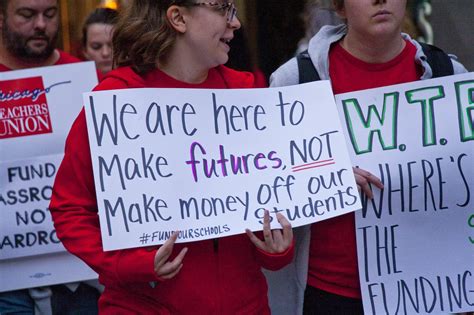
(167, 44)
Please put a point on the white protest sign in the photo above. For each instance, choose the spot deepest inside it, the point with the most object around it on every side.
(415, 238)
(27, 228)
(209, 162)
(37, 109)
(42, 270)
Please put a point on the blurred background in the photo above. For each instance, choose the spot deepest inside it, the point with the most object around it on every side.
(275, 28)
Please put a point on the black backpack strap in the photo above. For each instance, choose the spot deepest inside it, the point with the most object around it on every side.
(438, 60)
(307, 71)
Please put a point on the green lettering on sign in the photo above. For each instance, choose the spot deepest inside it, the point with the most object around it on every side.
(465, 100)
(362, 129)
(426, 97)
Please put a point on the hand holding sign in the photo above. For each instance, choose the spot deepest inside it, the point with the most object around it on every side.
(168, 269)
(364, 179)
(276, 241)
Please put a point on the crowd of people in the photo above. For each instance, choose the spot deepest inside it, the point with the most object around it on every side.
(185, 44)
(29, 31)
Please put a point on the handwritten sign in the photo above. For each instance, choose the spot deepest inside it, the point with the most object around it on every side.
(414, 238)
(28, 229)
(37, 108)
(208, 163)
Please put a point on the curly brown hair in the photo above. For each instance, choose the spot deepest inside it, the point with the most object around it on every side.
(143, 35)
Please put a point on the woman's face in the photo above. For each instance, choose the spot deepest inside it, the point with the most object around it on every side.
(209, 33)
(99, 46)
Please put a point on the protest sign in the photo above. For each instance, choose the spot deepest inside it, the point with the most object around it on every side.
(27, 186)
(37, 108)
(414, 239)
(42, 270)
(208, 163)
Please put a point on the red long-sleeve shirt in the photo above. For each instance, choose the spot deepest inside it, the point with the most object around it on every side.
(223, 281)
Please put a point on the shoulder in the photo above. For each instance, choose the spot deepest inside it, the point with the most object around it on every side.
(457, 66)
(4, 68)
(433, 50)
(237, 79)
(422, 58)
(110, 84)
(120, 78)
(65, 58)
(286, 74)
(318, 49)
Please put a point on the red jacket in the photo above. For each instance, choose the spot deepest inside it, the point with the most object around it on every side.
(223, 281)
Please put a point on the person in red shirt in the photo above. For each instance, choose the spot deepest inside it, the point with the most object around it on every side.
(97, 38)
(29, 32)
(167, 44)
(28, 35)
(367, 51)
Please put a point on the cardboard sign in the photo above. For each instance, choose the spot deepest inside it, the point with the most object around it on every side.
(37, 109)
(208, 163)
(415, 238)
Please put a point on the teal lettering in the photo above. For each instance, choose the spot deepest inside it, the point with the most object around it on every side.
(426, 97)
(362, 129)
(465, 100)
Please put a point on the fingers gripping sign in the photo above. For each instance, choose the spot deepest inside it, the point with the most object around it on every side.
(364, 179)
(168, 269)
(275, 241)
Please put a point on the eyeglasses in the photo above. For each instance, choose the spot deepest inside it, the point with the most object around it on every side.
(227, 8)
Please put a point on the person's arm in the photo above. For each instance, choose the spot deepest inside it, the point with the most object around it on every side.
(364, 180)
(285, 75)
(275, 261)
(277, 248)
(74, 211)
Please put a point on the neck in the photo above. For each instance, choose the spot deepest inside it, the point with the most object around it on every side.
(375, 50)
(180, 66)
(14, 63)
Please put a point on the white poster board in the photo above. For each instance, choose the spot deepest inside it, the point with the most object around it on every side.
(415, 238)
(208, 163)
(37, 109)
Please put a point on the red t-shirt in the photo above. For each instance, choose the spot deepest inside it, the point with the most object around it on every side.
(333, 253)
(64, 58)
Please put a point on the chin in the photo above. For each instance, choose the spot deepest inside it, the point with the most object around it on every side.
(38, 50)
(105, 69)
(224, 60)
(387, 29)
